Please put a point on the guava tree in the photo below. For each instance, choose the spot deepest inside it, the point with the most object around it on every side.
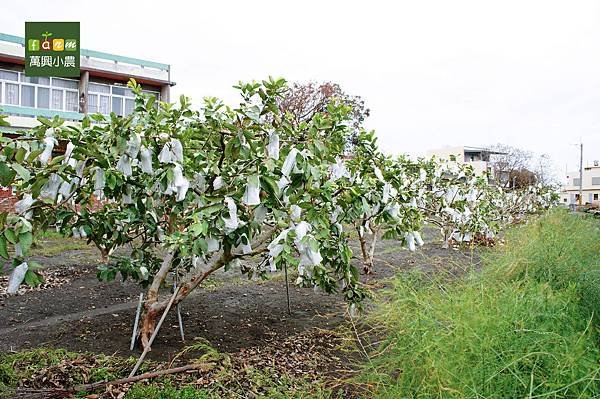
(532, 199)
(455, 200)
(466, 207)
(380, 199)
(190, 192)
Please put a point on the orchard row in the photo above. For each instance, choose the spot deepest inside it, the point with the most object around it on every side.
(193, 191)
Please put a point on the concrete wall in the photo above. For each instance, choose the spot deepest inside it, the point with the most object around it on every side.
(570, 190)
(480, 167)
(588, 173)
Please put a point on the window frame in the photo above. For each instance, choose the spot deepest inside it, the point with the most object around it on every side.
(20, 82)
(128, 95)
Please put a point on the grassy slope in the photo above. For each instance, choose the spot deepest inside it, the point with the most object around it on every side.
(523, 328)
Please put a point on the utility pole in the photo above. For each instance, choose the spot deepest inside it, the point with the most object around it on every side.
(580, 173)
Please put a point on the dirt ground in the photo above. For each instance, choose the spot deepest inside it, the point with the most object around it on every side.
(232, 313)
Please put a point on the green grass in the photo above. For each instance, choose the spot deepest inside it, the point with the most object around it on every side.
(521, 329)
(51, 243)
(60, 246)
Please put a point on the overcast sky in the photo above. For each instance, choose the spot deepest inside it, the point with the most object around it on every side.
(433, 73)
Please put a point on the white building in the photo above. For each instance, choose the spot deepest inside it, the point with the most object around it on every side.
(100, 88)
(590, 188)
(478, 158)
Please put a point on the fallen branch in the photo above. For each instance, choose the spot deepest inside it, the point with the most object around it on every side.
(135, 378)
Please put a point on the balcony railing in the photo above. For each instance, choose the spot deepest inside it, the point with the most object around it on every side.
(97, 54)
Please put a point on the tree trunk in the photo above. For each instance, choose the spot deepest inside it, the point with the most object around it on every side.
(368, 251)
(154, 307)
(446, 234)
(367, 263)
(372, 250)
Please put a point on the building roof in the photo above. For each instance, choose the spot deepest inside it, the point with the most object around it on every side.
(469, 149)
(97, 63)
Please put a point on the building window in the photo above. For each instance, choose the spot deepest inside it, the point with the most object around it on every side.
(103, 98)
(98, 88)
(57, 99)
(72, 101)
(39, 92)
(39, 80)
(119, 91)
(117, 105)
(28, 96)
(129, 106)
(595, 181)
(596, 197)
(92, 103)
(11, 95)
(64, 83)
(43, 97)
(576, 181)
(104, 107)
(9, 75)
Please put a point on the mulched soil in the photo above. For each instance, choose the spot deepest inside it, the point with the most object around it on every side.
(245, 319)
(298, 362)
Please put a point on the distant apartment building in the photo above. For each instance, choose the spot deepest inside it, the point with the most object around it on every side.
(101, 88)
(590, 188)
(478, 158)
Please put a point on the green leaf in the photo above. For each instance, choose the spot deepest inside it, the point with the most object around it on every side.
(20, 155)
(269, 185)
(33, 279)
(212, 209)
(3, 121)
(36, 188)
(25, 226)
(98, 117)
(7, 175)
(150, 102)
(111, 180)
(199, 228)
(200, 246)
(44, 121)
(10, 236)
(34, 154)
(25, 239)
(33, 265)
(24, 173)
(3, 247)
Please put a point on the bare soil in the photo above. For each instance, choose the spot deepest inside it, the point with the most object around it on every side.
(232, 313)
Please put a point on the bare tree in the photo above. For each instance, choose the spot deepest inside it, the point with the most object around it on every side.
(304, 100)
(511, 165)
(544, 171)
